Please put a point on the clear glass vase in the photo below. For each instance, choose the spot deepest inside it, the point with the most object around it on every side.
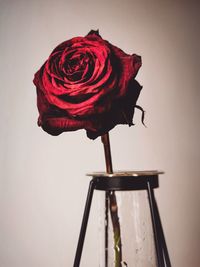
(136, 232)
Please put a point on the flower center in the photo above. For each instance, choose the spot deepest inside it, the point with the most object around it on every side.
(75, 66)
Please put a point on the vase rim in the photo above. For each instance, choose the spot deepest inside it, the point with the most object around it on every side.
(135, 173)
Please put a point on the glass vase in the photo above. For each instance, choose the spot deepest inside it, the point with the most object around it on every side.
(137, 240)
(137, 248)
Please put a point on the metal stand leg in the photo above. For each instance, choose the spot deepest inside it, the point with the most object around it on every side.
(155, 228)
(106, 227)
(161, 247)
(161, 234)
(84, 225)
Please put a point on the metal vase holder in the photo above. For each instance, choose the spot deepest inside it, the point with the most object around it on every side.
(118, 181)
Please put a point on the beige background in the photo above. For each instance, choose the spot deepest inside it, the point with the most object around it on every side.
(42, 178)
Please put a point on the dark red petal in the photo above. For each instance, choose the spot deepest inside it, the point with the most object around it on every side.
(127, 67)
(137, 63)
(65, 44)
(122, 112)
(58, 125)
(93, 32)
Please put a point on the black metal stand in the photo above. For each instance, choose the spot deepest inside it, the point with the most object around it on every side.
(127, 181)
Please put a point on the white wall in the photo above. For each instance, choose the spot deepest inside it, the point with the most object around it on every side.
(42, 178)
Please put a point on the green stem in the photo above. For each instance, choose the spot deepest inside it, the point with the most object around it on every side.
(112, 202)
(116, 228)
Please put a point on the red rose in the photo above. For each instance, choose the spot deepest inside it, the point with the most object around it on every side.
(87, 83)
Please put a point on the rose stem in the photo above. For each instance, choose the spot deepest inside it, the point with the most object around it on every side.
(113, 209)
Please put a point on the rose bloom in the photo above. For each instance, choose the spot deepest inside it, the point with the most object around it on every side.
(87, 83)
